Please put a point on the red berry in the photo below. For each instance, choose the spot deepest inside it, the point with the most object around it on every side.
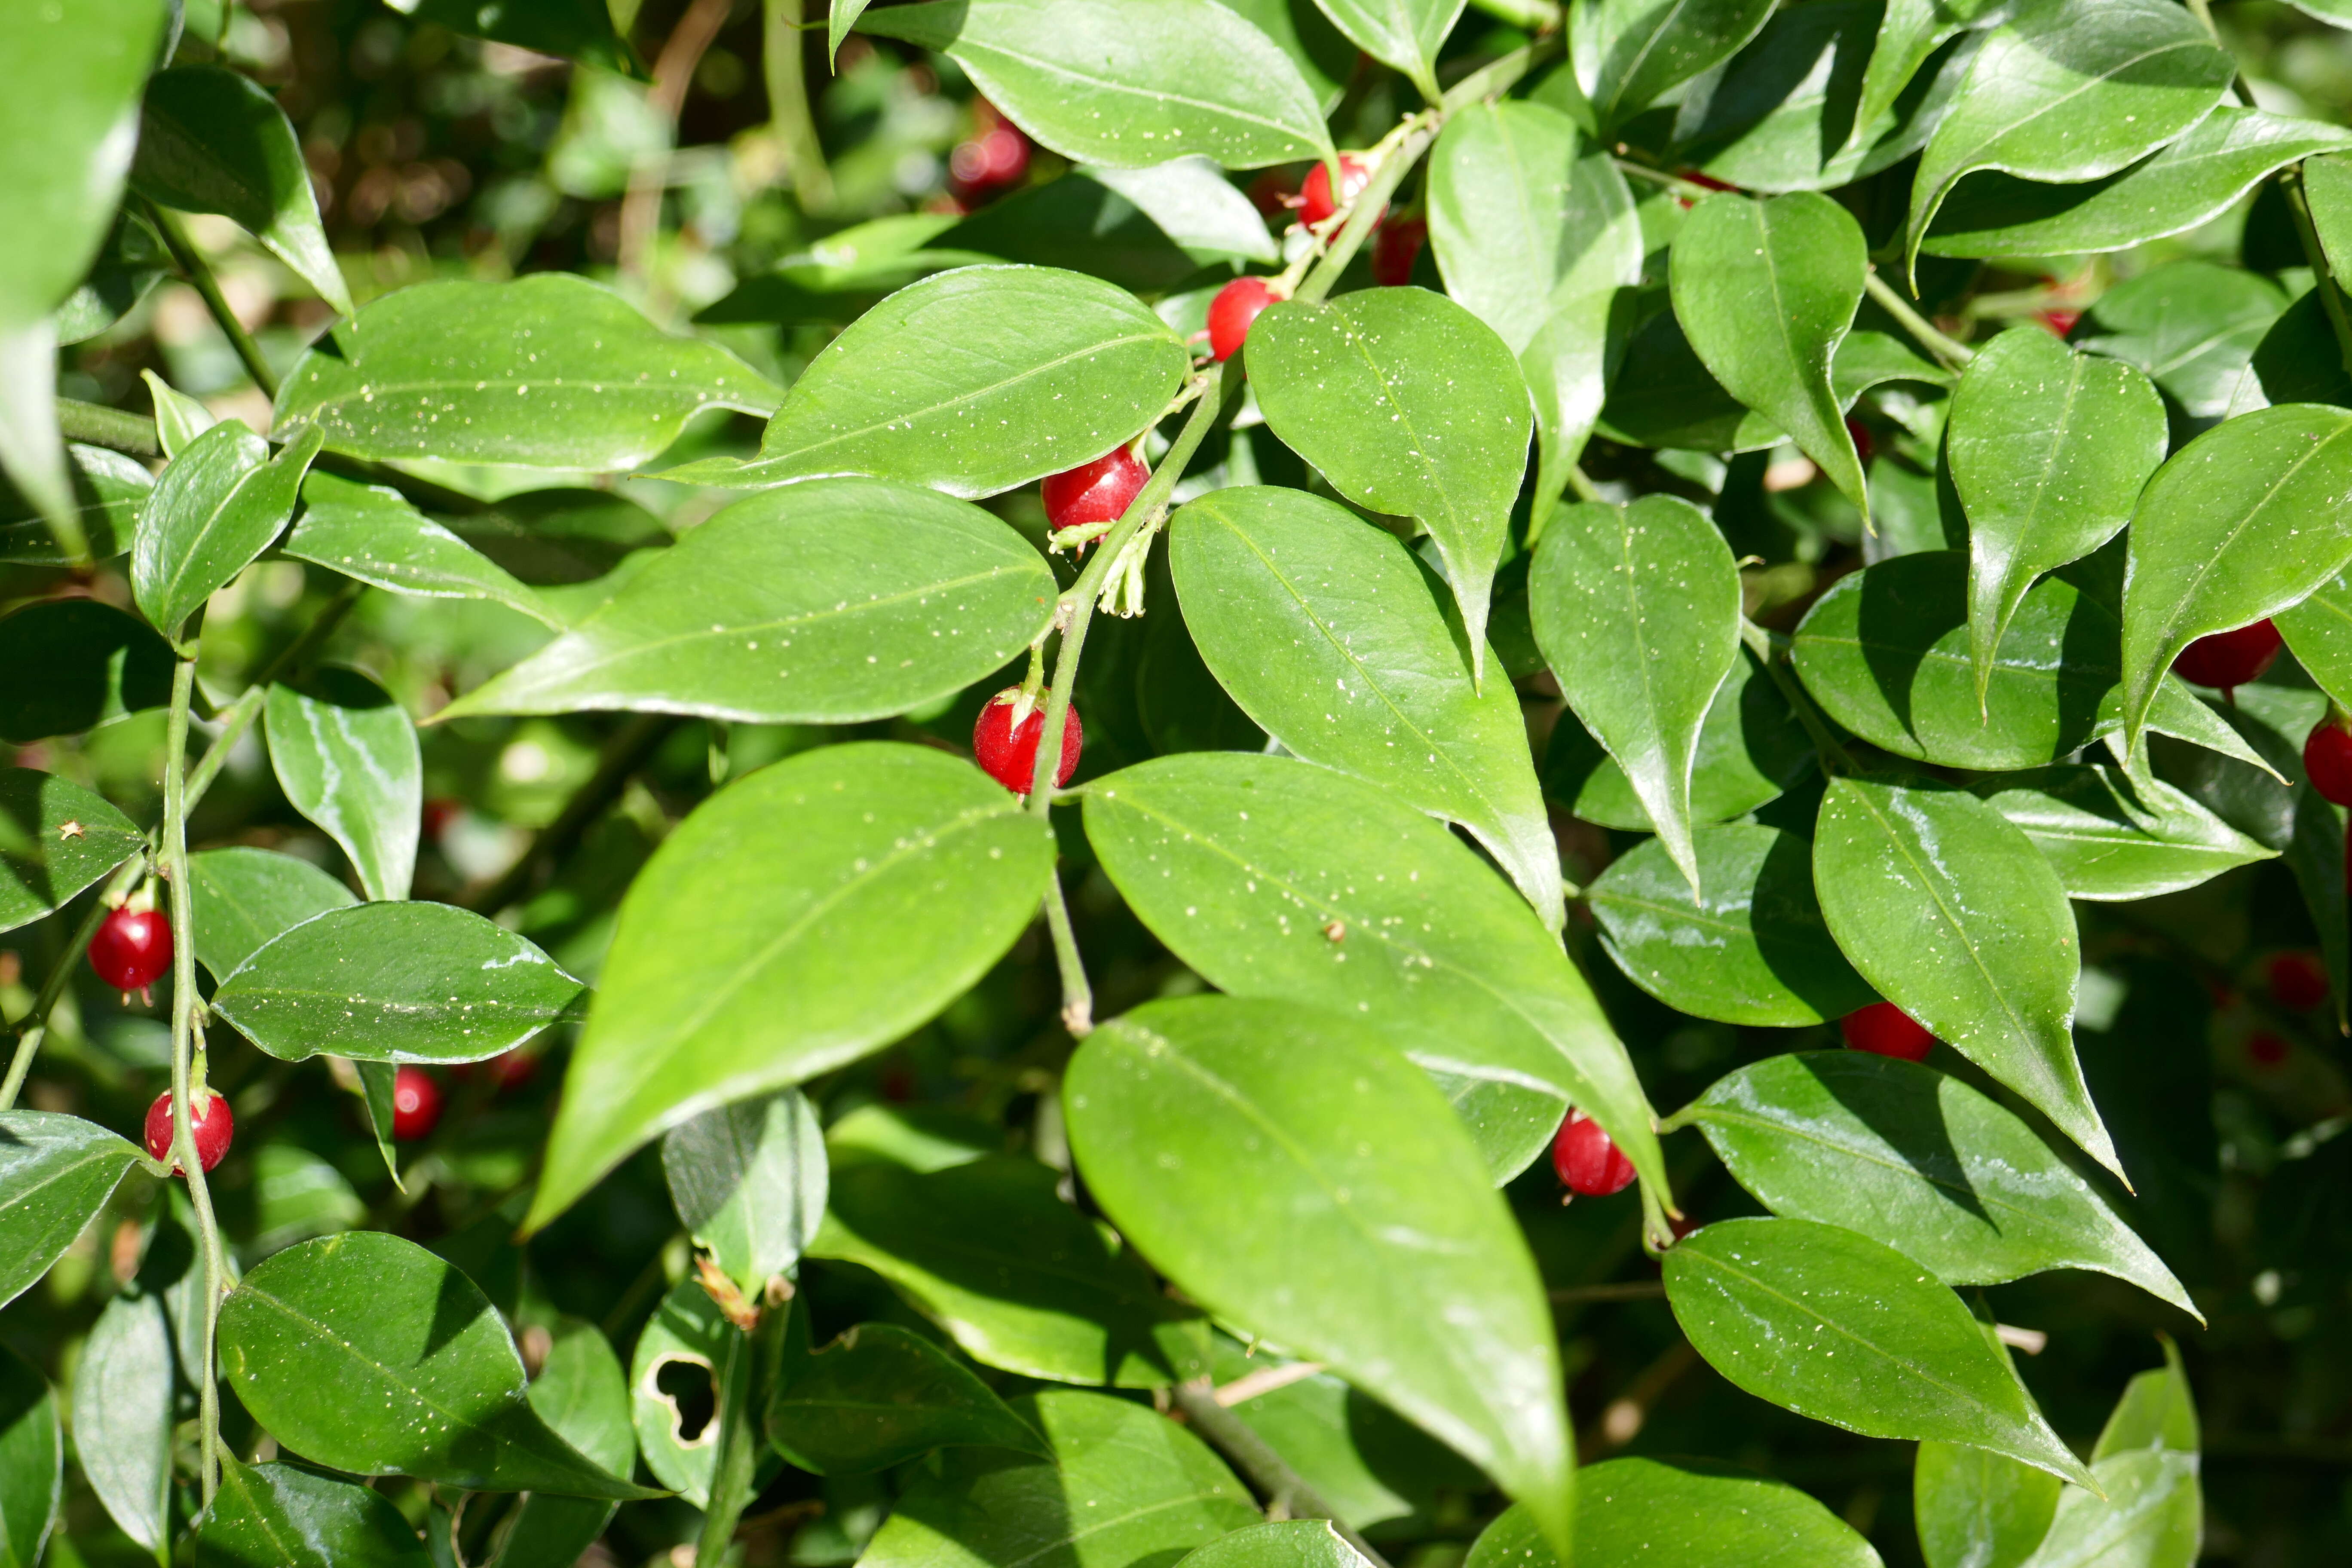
(2229, 659)
(1863, 444)
(1315, 201)
(996, 155)
(1009, 755)
(2298, 980)
(2059, 321)
(131, 949)
(2328, 759)
(1395, 249)
(1099, 491)
(1236, 306)
(1885, 1030)
(1589, 1164)
(2267, 1049)
(210, 1121)
(504, 1071)
(415, 1104)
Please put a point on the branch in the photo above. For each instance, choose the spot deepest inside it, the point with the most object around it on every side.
(1950, 351)
(788, 104)
(199, 273)
(1267, 1470)
(2331, 289)
(673, 76)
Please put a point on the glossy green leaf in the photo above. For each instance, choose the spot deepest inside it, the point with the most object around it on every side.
(1765, 291)
(2319, 631)
(1401, 32)
(1750, 748)
(213, 140)
(1921, 1162)
(56, 1172)
(549, 370)
(1752, 949)
(32, 1462)
(881, 1394)
(2192, 180)
(1708, 1516)
(179, 418)
(2112, 841)
(217, 506)
(2152, 1516)
(572, 29)
(56, 838)
(395, 982)
(109, 489)
(1512, 1541)
(1325, 57)
(1909, 33)
(687, 1331)
(561, 537)
(2071, 91)
(2048, 450)
(1664, 397)
(1628, 52)
(366, 1353)
(583, 1394)
(2244, 520)
(1325, 630)
(1126, 1487)
(1979, 1509)
(827, 602)
(1126, 83)
(2157, 1410)
(1952, 914)
(1274, 879)
(372, 534)
(246, 897)
(346, 755)
(1537, 241)
(125, 1404)
(1637, 610)
(129, 265)
(749, 1180)
(2193, 326)
(2295, 361)
(869, 885)
(1835, 1326)
(282, 1516)
(76, 665)
(1082, 221)
(1410, 405)
(1193, 1120)
(1190, 200)
(1287, 1543)
(988, 1251)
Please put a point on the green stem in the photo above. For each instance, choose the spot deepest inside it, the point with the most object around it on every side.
(1267, 1470)
(2331, 291)
(1077, 997)
(788, 105)
(1950, 351)
(1762, 644)
(1499, 76)
(34, 1026)
(1689, 189)
(1365, 213)
(750, 1366)
(95, 424)
(199, 273)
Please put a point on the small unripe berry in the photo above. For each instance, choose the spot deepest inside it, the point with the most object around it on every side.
(2229, 659)
(1588, 1162)
(415, 1104)
(1316, 203)
(1009, 755)
(1885, 1030)
(1237, 305)
(1099, 491)
(2327, 760)
(209, 1121)
(1395, 249)
(2297, 980)
(131, 949)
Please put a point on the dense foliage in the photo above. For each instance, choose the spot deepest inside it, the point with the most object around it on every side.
(904, 786)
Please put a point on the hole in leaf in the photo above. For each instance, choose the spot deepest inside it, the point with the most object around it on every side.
(691, 1391)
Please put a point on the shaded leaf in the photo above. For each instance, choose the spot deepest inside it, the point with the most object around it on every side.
(109, 489)
(1628, 52)
(572, 29)
(1750, 748)
(372, 534)
(2319, 631)
(583, 1394)
(1286, 1543)
(282, 1516)
(32, 1462)
(2111, 840)
(2191, 326)
(1979, 1509)
(687, 1331)
(1325, 57)
(217, 506)
(246, 897)
(346, 755)
(881, 1394)
(56, 1173)
(75, 665)
(56, 838)
(125, 1404)
(749, 1180)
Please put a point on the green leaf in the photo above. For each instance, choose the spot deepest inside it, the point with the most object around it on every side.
(1979, 1509)
(1325, 631)
(56, 1173)
(32, 1462)
(76, 665)
(868, 886)
(1246, 867)
(56, 838)
(2071, 91)
(1404, 34)
(1837, 1326)
(1796, 263)
(1190, 200)
(827, 602)
(282, 1516)
(1750, 748)
(1538, 242)
(1753, 949)
(1950, 914)
(179, 418)
(2157, 1410)
(1126, 83)
(2048, 450)
(574, 29)
(372, 534)
(1512, 1541)
(217, 506)
(2152, 1515)
(583, 1394)
(1410, 405)
(549, 370)
(1708, 1516)
(1288, 1544)
(125, 1404)
(881, 1394)
(1126, 1487)
(1629, 52)
(1921, 1162)
(2193, 326)
(347, 758)
(1909, 32)
(129, 265)
(2193, 179)
(2112, 841)
(1325, 57)
(1637, 609)
(366, 1353)
(2319, 631)
(109, 489)
(212, 141)
(838, 21)
(686, 1331)
(561, 537)
(245, 897)
(749, 1181)
(1192, 1120)
(1023, 1282)
(1664, 397)
(395, 982)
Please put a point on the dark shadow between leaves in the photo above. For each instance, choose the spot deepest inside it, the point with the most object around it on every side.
(1902, 1105)
(1907, 604)
(1792, 938)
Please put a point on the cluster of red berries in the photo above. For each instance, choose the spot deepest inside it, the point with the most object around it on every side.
(2228, 660)
(1396, 245)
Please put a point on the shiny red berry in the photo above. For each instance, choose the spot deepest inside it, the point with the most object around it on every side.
(1395, 249)
(210, 1121)
(2328, 759)
(997, 155)
(1236, 306)
(1099, 491)
(2297, 980)
(1885, 1030)
(1315, 200)
(131, 949)
(415, 1104)
(1590, 1164)
(2229, 659)
(1009, 755)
